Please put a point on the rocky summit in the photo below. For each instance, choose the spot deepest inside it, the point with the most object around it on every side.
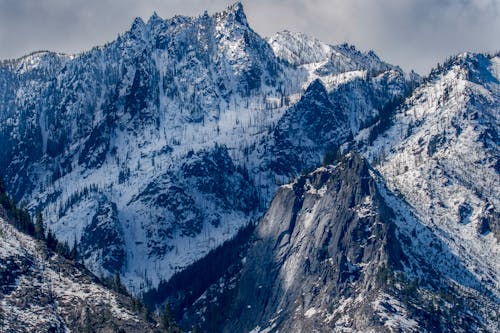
(338, 251)
(373, 192)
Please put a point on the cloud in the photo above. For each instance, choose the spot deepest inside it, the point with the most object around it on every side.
(410, 33)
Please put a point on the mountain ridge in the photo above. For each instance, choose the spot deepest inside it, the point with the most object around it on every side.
(156, 148)
(338, 251)
(99, 129)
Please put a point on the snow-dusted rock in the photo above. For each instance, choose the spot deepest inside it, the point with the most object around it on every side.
(337, 251)
(122, 126)
(41, 291)
(441, 154)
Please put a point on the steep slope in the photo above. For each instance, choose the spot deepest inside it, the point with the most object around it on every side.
(441, 154)
(118, 146)
(307, 130)
(299, 49)
(42, 292)
(89, 138)
(359, 81)
(336, 251)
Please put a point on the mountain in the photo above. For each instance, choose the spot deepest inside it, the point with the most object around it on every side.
(159, 146)
(373, 192)
(338, 251)
(43, 292)
(441, 154)
(410, 244)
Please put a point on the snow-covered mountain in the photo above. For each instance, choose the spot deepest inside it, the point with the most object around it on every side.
(410, 244)
(41, 291)
(441, 154)
(338, 251)
(157, 147)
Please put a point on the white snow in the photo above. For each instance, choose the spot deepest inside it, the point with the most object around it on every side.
(457, 171)
(397, 318)
(310, 312)
(46, 277)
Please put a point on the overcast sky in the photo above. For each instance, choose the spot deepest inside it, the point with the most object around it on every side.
(414, 34)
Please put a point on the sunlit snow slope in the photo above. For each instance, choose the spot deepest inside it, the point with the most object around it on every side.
(42, 292)
(155, 148)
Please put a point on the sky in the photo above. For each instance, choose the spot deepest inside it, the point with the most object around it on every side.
(414, 34)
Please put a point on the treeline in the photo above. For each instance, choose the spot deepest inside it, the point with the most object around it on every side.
(19, 217)
(186, 286)
(75, 197)
(385, 118)
(22, 220)
(165, 320)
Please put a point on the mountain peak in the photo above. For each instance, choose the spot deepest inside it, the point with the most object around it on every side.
(236, 7)
(138, 30)
(474, 67)
(316, 90)
(237, 12)
(298, 48)
(155, 18)
(138, 23)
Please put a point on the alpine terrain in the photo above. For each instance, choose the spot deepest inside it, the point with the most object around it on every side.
(249, 184)
(42, 291)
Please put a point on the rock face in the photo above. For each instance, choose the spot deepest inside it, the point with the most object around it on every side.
(169, 139)
(152, 150)
(103, 238)
(332, 255)
(307, 130)
(42, 292)
(324, 239)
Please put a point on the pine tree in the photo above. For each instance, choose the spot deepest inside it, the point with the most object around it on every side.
(4, 200)
(167, 319)
(117, 284)
(2, 316)
(88, 323)
(51, 240)
(13, 205)
(73, 254)
(147, 313)
(39, 229)
(62, 248)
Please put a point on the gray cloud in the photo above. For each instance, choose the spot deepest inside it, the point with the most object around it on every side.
(414, 34)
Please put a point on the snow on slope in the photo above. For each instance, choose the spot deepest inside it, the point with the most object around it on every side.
(442, 156)
(88, 137)
(43, 292)
(337, 251)
(129, 114)
(333, 64)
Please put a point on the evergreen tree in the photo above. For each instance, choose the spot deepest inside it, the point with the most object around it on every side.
(39, 229)
(167, 319)
(137, 305)
(147, 313)
(117, 284)
(4, 199)
(88, 323)
(2, 316)
(73, 254)
(62, 248)
(13, 205)
(51, 240)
